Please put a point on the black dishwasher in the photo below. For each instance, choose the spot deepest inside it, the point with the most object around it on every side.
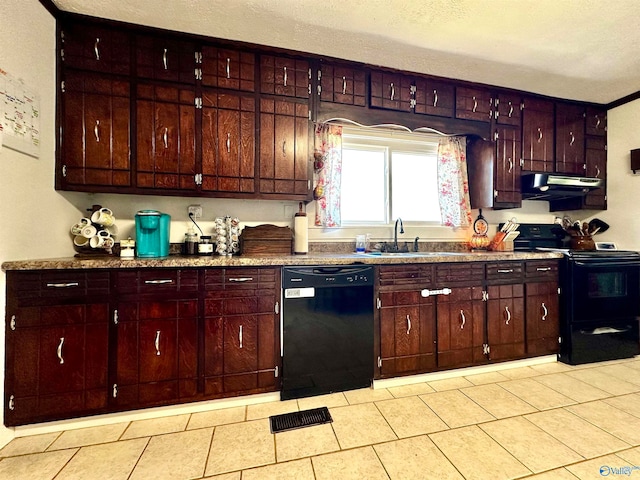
(327, 330)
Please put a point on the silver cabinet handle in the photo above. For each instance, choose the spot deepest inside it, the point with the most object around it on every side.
(285, 76)
(573, 139)
(12, 323)
(114, 392)
(393, 91)
(510, 110)
(96, 48)
(543, 269)
(63, 285)
(164, 59)
(157, 342)
(96, 131)
(284, 148)
(12, 402)
(408, 324)
(228, 143)
(228, 68)
(115, 317)
(59, 351)
(597, 172)
(240, 336)
(165, 137)
(158, 282)
(507, 270)
(241, 279)
(539, 134)
(597, 122)
(435, 98)
(546, 312)
(463, 318)
(510, 165)
(426, 292)
(344, 85)
(506, 309)
(475, 104)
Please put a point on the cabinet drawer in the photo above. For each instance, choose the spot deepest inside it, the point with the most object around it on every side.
(157, 280)
(505, 272)
(459, 273)
(541, 269)
(57, 284)
(411, 275)
(239, 278)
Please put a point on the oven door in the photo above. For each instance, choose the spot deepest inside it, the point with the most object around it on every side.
(602, 289)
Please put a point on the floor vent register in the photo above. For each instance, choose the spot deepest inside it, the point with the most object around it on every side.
(305, 418)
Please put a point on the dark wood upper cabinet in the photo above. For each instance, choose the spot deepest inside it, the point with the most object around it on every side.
(342, 84)
(166, 137)
(537, 135)
(508, 111)
(434, 97)
(95, 148)
(87, 46)
(228, 145)
(284, 147)
(227, 68)
(570, 128)
(508, 171)
(284, 76)
(596, 158)
(162, 58)
(474, 104)
(596, 121)
(392, 91)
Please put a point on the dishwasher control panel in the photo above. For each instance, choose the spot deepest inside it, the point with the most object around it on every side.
(326, 276)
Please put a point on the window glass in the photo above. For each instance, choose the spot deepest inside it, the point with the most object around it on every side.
(364, 183)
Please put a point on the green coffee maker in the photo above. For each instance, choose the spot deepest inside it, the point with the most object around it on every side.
(152, 234)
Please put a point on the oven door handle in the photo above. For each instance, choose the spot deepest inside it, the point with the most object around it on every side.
(604, 330)
(605, 264)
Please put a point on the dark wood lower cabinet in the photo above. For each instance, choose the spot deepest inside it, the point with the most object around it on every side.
(542, 318)
(505, 322)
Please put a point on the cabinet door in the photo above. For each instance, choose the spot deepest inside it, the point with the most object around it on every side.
(228, 146)
(596, 159)
(460, 327)
(341, 84)
(508, 171)
(474, 104)
(596, 122)
(434, 97)
(508, 110)
(227, 68)
(284, 76)
(164, 58)
(407, 333)
(56, 361)
(537, 135)
(570, 126)
(542, 318)
(156, 351)
(166, 138)
(391, 91)
(241, 333)
(284, 145)
(86, 46)
(95, 146)
(505, 321)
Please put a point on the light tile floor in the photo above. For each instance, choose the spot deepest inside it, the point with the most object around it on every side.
(547, 422)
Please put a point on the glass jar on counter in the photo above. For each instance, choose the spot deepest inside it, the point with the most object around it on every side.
(205, 247)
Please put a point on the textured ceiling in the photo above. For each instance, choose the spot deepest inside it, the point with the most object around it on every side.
(579, 49)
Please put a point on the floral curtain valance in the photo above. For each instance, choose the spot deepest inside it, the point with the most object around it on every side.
(453, 182)
(327, 174)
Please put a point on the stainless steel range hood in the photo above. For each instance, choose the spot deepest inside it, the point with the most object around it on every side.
(550, 186)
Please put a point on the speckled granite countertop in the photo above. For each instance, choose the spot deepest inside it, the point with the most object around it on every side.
(173, 261)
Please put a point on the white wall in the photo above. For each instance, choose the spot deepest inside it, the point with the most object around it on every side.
(623, 187)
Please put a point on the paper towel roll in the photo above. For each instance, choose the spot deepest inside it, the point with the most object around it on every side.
(301, 235)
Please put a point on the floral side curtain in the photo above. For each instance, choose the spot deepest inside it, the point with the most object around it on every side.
(327, 176)
(453, 182)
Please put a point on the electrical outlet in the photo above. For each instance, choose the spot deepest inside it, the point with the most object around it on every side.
(196, 210)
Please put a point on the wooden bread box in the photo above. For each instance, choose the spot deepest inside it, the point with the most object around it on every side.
(266, 240)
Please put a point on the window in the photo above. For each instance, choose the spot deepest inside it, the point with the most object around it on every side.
(386, 175)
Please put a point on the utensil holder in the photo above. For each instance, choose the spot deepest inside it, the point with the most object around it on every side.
(584, 242)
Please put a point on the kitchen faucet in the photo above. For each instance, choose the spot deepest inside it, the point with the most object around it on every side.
(395, 234)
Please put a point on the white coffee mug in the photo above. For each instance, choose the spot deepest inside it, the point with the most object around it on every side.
(76, 229)
(100, 239)
(80, 241)
(103, 217)
(89, 231)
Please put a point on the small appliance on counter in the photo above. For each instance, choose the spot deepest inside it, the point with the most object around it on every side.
(127, 248)
(152, 234)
